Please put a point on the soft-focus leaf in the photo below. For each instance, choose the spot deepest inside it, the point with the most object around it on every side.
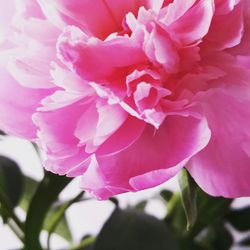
(87, 243)
(223, 239)
(46, 193)
(56, 219)
(176, 217)
(11, 186)
(141, 205)
(132, 229)
(61, 229)
(210, 210)
(188, 196)
(30, 186)
(240, 218)
(166, 195)
(114, 201)
(11, 180)
(215, 237)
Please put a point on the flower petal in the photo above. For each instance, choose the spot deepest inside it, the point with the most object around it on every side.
(193, 25)
(85, 54)
(222, 168)
(177, 140)
(17, 105)
(56, 134)
(107, 18)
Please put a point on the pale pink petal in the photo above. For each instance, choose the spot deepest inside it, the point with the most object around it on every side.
(56, 133)
(6, 16)
(32, 69)
(175, 10)
(28, 9)
(69, 81)
(17, 105)
(37, 31)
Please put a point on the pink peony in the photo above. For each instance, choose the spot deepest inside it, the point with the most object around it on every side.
(126, 93)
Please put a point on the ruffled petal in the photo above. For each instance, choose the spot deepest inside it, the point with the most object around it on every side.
(85, 54)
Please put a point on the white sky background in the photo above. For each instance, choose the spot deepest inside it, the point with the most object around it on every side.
(86, 217)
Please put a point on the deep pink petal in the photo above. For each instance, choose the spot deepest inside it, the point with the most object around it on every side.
(107, 18)
(226, 30)
(177, 140)
(85, 54)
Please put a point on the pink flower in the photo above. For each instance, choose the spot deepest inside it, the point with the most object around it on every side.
(126, 93)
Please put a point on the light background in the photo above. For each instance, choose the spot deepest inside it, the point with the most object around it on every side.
(85, 217)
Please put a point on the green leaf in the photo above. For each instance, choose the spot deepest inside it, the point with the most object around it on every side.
(176, 217)
(114, 201)
(56, 216)
(240, 218)
(166, 195)
(46, 193)
(223, 239)
(11, 180)
(30, 186)
(215, 237)
(141, 205)
(210, 210)
(132, 229)
(188, 196)
(11, 185)
(61, 226)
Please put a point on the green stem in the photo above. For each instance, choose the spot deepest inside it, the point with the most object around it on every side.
(58, 204)
(16, 230)
(84, 243)
(59, 215)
